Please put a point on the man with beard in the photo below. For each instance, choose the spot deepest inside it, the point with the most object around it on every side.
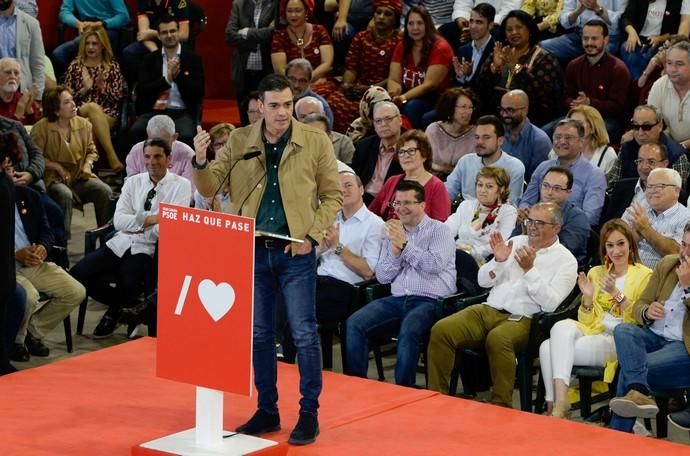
(171, 82)
(488, 139)
(471, 56)
(22, 40)
(14, 104)
(522, 139)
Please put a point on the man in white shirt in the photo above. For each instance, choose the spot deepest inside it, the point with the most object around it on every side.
(528, 274)
(130, 254)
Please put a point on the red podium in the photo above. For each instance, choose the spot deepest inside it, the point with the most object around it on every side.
(205, 312)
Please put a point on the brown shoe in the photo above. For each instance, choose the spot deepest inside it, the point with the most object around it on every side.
(561, 410)
(634, 405)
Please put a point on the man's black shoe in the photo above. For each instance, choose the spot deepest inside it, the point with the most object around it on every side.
(35, 346)
(681, 419)
(18, 352)
(261, 423)
(306, 430)
(106, 327)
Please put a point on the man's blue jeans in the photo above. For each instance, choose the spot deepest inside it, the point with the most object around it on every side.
(649, 360)
(414, 315)
(569, 45)
(295, 278)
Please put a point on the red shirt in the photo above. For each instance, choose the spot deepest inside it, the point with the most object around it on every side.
(437, 201)
(8, 110)
(414, 75)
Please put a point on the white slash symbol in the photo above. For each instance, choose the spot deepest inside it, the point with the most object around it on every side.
(183, 294)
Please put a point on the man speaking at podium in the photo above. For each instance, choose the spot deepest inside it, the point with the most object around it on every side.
(282, 173)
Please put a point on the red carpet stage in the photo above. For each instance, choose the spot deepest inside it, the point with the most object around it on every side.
(109, 401)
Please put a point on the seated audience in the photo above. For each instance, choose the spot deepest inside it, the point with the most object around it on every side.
(20, 105)
(647, 126)
(452, 137)
(458, 31)
(342, 145)
(249, 109)
(363, 125)
(417, 259)
(523, 140)
(574, 234)
(300, 39)
(420, 67)
(177, 92)
(471, 56)
(657, 220)
(414, 155)
(95, 79)
(367, 62)
(647, 26)
(475, 220)
(129, 255)
(520, 63)
(112, 15)
(219, 135)
(299, 73)
(376, 157)
(656, 66)
(596, 146)
(488, 142)
(528, 274)
(546, 14)
(70, 153)
(654, 355)
(590, 182)
(609, 293)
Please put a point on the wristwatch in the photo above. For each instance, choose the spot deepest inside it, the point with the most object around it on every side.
(338, 249)
(196, 165)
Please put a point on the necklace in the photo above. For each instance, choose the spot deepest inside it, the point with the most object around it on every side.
(299, 39)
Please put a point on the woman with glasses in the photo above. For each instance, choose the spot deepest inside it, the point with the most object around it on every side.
(608, 292)
(414, 155)
(420, 67)
(95, 79)
(452, 137)
(520, 63)
(475, 220)
(67, 144)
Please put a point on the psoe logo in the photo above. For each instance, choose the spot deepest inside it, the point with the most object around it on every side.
(217, 299)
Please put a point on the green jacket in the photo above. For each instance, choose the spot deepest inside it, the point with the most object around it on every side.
(308, 177)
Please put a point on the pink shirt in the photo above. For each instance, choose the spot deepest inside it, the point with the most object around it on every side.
(181, 163)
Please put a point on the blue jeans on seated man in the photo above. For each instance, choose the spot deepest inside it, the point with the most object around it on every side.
(648, 361)
(295, 278)
(569, 45)
(638, 59)
(414, 315)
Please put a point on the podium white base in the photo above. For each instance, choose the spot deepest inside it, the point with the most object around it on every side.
(184, 443)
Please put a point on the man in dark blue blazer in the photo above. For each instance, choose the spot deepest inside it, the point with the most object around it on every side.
(471, 56)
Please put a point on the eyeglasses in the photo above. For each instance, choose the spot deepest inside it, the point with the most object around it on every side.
(149, 196)
(302, 81)
(398, 203)
(643, 127)
(410, 152)
(556, 188)
(536, 223)
(385, 120)
(659, 186)
(486, 186)
(510, 110)
(647, 161)
(566, 138)
(465, 107)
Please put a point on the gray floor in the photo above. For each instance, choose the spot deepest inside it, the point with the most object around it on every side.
(84, 344)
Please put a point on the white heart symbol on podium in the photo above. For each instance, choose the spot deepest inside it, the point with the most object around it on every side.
(217, 299)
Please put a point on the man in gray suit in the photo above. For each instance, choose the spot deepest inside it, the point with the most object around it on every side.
(24, 43)
(249, 31)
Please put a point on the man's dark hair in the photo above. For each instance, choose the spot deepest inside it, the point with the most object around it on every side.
(485, 10)
(10, 148)
(158, 142)
(168, 18)
(598, 23)
(565, 171)
(273, 83)
(495, 121)
(576, 124)
(416, 187)
(663, 151)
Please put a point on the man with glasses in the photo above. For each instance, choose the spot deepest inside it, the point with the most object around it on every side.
(523, 140)
(375, 158)
(590, 183)
(654, 355)
(299, 72)
(658, 219)
(647, 127)
(488, 141)
(129, 254)
(575, 230)
(528, 274)
(418, 260)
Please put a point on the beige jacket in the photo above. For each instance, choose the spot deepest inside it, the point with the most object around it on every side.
(308, 177)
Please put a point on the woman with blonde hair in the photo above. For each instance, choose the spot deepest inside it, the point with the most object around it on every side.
(597, 149)
(608, 295)
(98, 86)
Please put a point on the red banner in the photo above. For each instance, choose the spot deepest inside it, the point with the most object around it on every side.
(205, 298)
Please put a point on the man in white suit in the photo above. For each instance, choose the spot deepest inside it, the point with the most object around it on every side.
(20, 38)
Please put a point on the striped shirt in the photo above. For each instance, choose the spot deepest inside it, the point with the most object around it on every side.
(426, 266)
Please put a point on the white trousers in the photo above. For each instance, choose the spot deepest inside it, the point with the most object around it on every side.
(569, 347)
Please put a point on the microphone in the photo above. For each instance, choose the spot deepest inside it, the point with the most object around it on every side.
(247, 156)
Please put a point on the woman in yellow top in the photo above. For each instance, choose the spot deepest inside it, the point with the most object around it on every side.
(608, 295)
